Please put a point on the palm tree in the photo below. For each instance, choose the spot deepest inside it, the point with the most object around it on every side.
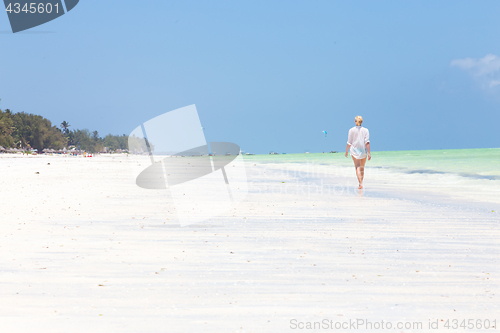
(97, 144)
(64, 126)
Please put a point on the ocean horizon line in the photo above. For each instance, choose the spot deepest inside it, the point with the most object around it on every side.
(372, 151)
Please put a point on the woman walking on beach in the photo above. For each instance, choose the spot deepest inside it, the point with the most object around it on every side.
(358, 141)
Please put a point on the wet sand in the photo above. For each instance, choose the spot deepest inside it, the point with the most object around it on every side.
(84, 249)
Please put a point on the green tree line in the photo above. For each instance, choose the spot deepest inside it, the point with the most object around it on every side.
(27, 130)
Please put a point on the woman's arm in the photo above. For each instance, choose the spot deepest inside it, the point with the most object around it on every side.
(347, 149)
(368, 148)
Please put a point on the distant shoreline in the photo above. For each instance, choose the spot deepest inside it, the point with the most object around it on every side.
(4, 154)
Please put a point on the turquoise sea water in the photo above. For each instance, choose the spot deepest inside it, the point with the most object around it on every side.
(469, 163)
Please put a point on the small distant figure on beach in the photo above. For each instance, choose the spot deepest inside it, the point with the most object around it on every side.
(358, 141)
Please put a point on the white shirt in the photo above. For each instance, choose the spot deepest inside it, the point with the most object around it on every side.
(358, 138)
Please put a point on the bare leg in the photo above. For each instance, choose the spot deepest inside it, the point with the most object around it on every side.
(360, 170)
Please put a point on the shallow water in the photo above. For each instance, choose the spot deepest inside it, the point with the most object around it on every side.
(471, 175)
(479, 163)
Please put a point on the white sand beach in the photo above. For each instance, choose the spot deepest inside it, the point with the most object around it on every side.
(86, 250)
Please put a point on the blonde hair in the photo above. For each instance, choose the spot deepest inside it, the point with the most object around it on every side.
(358, 120)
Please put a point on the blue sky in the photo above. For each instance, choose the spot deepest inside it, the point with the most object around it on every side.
(267, 75)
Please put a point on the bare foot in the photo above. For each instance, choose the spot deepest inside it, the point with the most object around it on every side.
(360, 187)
